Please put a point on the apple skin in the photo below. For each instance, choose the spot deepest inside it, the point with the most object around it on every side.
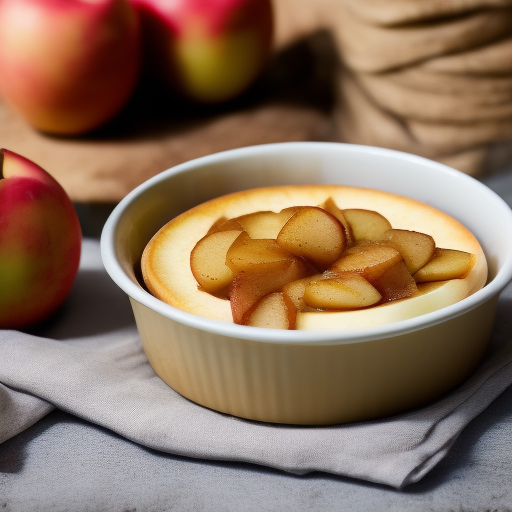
(40, 242)
(68, 66)
(208, 50)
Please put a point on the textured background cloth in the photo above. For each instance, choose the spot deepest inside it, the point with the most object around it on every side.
(95, 368)
(427, 77)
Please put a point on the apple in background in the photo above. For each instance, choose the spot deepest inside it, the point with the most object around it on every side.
(68, 66)
(40, 242)
(208, 50)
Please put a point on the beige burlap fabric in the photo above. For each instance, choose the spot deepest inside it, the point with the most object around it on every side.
(432, 78)
(361, 121)
(494, 59)
(374, 48)
(396, 12)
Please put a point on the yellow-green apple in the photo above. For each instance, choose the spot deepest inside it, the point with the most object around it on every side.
(68, 66)
(40, 242)
(209, 50)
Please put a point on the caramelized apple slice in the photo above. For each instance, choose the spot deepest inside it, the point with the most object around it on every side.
(416, 248)
(260, 255)
(369, 260)
(265, 224)
(208, 261)
(314, 234)
(330, 206)
(348, 291)
(366, 224)
(274, 311)
(396, 283)
(251, 285)
(446, 264)
(295, 291)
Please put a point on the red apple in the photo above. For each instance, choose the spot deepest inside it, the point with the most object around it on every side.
(68, 66)
(209, 50)
(40, 242)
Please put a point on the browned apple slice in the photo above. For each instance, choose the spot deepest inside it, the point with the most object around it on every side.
(295, 291)
(415, 247)
(366, 224)
(314, 234)
(260, 255)
(396, 283)
(330, 206)
(446, 264)
(348, 291)
(369, 260)
(265, 224)
(274, 311)
(251, 285)
(208, 261)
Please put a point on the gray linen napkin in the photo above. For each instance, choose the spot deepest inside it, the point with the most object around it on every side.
(91, 364)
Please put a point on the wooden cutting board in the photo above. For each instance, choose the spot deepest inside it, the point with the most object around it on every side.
(291, 102)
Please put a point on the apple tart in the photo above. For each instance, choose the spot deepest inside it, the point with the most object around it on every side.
(313, 257)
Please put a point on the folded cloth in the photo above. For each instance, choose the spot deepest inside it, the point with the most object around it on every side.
(397, 12)
(493, 58)
(371, 48)
(427, 77)
(91, 364)
(421, 78)
(468, 106)
(469, 146)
